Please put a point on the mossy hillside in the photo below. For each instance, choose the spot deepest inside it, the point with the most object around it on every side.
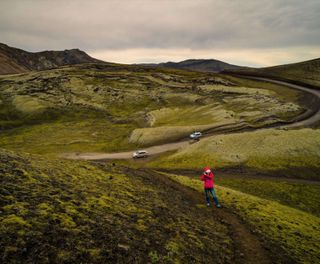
(50, 138)
(28, 104)
(283, 92)
(299, 195)
(233, 105)
(294, 153)
(304, 72)
(293, 230)
(119, 95)
(165, 134)
(187, 116)
(51, 205)
(71, 211)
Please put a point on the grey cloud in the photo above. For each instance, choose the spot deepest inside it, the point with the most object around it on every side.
(91, 25)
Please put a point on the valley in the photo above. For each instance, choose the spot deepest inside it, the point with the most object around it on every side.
(71, 192)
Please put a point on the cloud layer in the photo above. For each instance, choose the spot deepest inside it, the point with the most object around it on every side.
(243, 28)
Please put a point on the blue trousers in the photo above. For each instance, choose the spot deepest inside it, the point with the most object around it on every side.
(213, 193)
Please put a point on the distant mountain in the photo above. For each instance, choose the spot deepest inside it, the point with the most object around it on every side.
(13, 60)
(306, 72)
(202, 65)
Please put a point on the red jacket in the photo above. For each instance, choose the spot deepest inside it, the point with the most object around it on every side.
(207, 178)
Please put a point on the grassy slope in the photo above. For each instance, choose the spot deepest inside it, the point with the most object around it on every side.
(97, 107)
(301, 196)
(69, 212)
(297, 232)
(304, 72)
(292, 153)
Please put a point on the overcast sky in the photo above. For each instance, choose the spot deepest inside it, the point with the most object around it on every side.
(245, 32)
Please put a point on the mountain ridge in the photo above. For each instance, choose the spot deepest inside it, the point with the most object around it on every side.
(14, 60)
(202, 65)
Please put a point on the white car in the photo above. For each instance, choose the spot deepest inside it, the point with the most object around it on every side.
(140, 154)
(196, 135)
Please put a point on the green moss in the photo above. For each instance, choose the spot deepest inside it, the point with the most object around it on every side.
(28, 104)
(18, 208)
(87, 109)
(293, 153)
(172, 247)
(302, 196)
(154, 258)
(86, 135)
(75, 210)
(71, 211)
(295, 231)
(304, 72)
(190, 116)
(14, 221)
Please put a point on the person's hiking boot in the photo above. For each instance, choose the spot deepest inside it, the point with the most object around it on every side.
(218, 206)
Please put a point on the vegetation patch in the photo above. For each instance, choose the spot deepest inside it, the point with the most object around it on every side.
(299, 195)
(163, 134)
(58, 211)
(28, 105)
(123, 98)
(307, 72)
(235, 90)
(294, 153)
(91, 134)
(188, 116)
(296, 231)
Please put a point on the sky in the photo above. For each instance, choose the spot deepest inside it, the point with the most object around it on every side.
(243, 32)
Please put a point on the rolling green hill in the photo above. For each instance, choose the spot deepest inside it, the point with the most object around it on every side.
(67, 211)
(307, 72)
(60, 211)
(295, 231)
(110, 107)
(293, 153)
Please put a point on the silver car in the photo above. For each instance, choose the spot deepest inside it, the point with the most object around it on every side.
(196, 135)
(140, 154)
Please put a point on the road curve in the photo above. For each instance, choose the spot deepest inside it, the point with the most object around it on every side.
(128, 154)
(306, 122)
(309, 120)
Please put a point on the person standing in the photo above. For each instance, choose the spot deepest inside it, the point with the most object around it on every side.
(208, 180)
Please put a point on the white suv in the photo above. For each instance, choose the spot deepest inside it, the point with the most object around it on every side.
(140, 154)
(196, 135)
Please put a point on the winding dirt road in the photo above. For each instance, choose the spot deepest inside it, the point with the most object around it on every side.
(305, 119)
(310, 120)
